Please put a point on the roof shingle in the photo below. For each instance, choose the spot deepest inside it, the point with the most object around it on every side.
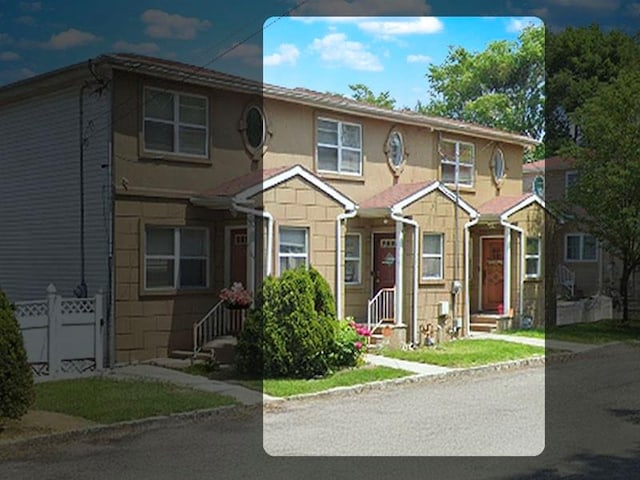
(499, 205)
(393, 195)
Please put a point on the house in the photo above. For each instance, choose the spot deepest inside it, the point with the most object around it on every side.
(189, 179)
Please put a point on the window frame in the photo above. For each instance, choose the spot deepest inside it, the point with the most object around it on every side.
(533, 186)
(424, 256)
(176, 123)
(537, 256)
(445, 161)
(357, 259)
(568, 183)
(177, 257)
(581, 258)
(307, 253)
(339, 147)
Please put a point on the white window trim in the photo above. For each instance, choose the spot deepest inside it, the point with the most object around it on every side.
(471, 165)
(176, 257)
(532, 256)
(293, 255)
(439, 256)
(354, 259)
(581, 248)
(175, 123)
(339, 147)
(533, 185)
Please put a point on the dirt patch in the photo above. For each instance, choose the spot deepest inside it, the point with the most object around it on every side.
(38, 422)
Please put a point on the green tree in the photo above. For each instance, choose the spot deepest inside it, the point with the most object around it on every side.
(362, 93)
(579, 61)
(501, 87)
(607, 195)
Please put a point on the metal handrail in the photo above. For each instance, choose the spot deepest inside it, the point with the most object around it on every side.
(380, 308)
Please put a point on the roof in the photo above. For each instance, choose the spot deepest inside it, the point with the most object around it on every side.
(240, 184)
(549, 164)
(499, 205)
(183, 72)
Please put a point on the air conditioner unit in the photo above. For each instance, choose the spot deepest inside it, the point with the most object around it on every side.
(443, 309)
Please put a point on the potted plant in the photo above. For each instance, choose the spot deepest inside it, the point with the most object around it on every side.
(237, 297)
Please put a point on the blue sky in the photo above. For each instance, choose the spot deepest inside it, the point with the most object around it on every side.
(39, 36)
(385, 53)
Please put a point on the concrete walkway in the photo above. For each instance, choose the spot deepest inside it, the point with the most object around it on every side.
(415, 367)
(244, 395)
(538, 342)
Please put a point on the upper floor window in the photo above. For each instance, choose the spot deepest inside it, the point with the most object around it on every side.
(176, 258)
(175, 123)
(570, 179)
(451, 150)
(538, 186)
(395, 150)
(498, 168)
(339, 147)
(580, 247)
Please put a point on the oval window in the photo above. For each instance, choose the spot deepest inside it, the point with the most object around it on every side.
(396, 149)
(255, 127)
(498, 165)
(538, 186)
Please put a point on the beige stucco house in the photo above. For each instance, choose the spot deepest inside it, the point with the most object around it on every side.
(212, 179)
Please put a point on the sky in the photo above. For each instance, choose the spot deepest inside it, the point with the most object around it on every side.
(39, 36)
(384, 53)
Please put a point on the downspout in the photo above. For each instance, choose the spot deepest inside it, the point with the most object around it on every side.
(467, 296)
(339, 219)
(269, 218)
(81, 290)
(504, 223)
(395, 215)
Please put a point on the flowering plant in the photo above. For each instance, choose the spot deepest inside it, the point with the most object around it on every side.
(350, 344)
(237, 295)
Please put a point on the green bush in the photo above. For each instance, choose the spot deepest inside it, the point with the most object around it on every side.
(17, 392)
(350, 343)
(290, 331)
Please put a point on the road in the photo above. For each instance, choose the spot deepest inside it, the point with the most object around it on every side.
(592, 431)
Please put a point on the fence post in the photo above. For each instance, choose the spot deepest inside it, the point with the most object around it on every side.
(52, 328)
(99, 322)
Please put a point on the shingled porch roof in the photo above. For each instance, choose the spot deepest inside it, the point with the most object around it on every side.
(504, 206)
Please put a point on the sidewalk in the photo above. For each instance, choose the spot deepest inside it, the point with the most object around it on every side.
(538, 342)
(415, 367)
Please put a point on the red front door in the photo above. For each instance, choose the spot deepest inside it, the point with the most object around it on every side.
(238, 256)
(492, 273)
(384, 261)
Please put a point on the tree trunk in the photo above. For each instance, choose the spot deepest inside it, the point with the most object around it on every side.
(624, 291)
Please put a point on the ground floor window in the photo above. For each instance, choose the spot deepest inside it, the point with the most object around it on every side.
(293, 248)
(432, 248)
(352, 259)
(532, 257)
(580, 247)
(176, 257)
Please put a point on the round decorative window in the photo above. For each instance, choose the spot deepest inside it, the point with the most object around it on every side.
(498, 166)
(255, 127)
(394, 148)
(538, 186)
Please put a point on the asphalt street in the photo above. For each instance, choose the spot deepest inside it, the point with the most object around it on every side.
(592, 430)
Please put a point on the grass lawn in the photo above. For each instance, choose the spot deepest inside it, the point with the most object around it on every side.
(106, 400)
(354, 376)
(532, 332)
(602, 331)
(467, 353)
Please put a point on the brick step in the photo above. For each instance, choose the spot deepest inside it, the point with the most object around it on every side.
(483, 327)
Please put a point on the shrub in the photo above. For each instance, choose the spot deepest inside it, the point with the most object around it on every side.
(289, 332)
(350, 344)
(17, 392)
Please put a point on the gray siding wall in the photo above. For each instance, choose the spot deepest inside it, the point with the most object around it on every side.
(40, 194)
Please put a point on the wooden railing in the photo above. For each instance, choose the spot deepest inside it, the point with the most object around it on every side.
(381, 308)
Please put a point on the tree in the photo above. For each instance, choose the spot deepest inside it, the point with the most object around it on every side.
(579, 61)
(606, 196)
(501, 87)
(362, 93)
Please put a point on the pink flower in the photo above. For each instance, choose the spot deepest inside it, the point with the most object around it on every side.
(358, 345)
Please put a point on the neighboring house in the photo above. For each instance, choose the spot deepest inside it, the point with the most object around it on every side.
(195, 179)
(583, 268)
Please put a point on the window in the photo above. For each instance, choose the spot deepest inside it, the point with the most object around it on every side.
(176, 258)
(580, 247)
(352, 259)
(432, 244)
(294, 248)
(339, 148)
(465, 153)
(532, 257)
(175, 123)
(570, 179)
(394, 148)
(498, 166)
(538, 186)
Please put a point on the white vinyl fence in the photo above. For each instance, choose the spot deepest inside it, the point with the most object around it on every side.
(62, 335)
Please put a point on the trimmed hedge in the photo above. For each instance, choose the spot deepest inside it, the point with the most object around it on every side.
(17, 391)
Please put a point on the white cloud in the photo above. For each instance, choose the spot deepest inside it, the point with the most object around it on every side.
(69, 39)
(369, 8)
(516, 25)
(144, 47)
(30, 6)
(391, 28)
(336, 50)
(163, 25)
(9, 56)
(417, 58)
(287, 53)
(249, 53)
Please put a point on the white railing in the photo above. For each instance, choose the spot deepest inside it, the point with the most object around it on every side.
(218, 321)
(567, 278)
(380, 308)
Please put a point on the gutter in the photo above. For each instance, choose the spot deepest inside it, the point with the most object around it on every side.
(395, 215)
(467, 296)
(339, 219)
(504, 223)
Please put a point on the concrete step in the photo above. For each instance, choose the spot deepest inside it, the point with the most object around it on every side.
(189, 354)
(483, 327)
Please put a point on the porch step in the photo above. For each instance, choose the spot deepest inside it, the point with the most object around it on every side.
(483, 327)
(189, 354)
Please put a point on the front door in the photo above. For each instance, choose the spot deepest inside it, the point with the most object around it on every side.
(238, 256)
(492, 273)
(384, 261)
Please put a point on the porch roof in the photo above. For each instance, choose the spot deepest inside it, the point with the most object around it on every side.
(549, 164)
(507, 205)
